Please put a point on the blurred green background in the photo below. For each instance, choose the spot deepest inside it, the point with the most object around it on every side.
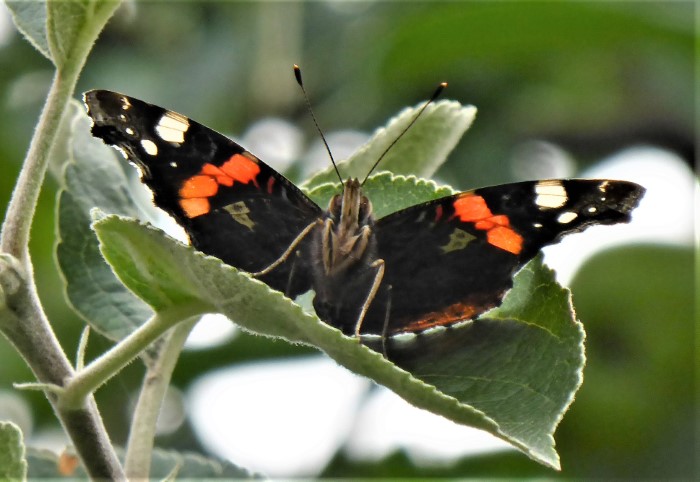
(590, 77)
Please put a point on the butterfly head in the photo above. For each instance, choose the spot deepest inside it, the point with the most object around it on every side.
(350, 210)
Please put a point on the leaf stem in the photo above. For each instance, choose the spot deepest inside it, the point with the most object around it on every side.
(139, 448)
(86, 381)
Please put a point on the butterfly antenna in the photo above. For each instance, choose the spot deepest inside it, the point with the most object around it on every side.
(297, 74)
(435, 95)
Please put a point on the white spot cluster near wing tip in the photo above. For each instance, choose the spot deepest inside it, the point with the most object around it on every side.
(126, 105)
(550, 194)
(150, 147)
(172, 127)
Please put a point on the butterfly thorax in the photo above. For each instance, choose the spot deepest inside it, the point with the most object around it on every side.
(346, 232)
(342, 250)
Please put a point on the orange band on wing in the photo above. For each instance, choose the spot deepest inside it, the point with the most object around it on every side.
(195, 207)
(470, 208)
(505, 238)
(241, 169)
(455, 313)
(198, 186)
(196, 190)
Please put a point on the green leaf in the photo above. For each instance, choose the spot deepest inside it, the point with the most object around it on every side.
(421, 151)
(389, 193)
(512, 374)
(62, 31)
(72, 27)
(520, 363)
(94, 177)
(30, 19)
(13, 465)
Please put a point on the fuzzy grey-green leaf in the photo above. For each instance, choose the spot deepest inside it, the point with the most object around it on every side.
(512, 373)
(525, 361)
(94, 177)
(72, 26)
(388, 192)
(421, 150)
(13, 465)
(30, 19)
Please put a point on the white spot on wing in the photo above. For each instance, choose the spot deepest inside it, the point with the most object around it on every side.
(566, 217)
(150, 147)
(172, 127)
(550, 194)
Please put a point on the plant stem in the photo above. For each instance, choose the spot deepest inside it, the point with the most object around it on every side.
(27, 328)
(137, 462)
(14, 238)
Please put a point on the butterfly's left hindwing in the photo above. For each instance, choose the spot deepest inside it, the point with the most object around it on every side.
(231, 204)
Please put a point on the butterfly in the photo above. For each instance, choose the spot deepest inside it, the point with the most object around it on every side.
(433, 264)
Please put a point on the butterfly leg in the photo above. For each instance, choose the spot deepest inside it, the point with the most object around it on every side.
(385, 328)
(379, 264)
(292, 246)
(292, 272)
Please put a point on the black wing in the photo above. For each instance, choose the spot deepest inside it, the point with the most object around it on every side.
(454, 258)
(231, 204)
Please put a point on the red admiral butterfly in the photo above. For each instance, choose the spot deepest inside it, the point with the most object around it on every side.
(432, 264)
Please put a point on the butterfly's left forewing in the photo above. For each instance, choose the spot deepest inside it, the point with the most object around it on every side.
(231, 204)
(454, 258)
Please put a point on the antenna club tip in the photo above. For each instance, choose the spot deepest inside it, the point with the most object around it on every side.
(297, 74)
(441, 86)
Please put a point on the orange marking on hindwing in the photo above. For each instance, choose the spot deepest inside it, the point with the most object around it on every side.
(195, 191)
(470, 208)
(452, 314)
